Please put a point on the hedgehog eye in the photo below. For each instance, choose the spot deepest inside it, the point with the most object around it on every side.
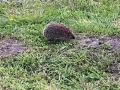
(68, 34)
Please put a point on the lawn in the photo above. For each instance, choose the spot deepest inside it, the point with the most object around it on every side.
(67, 65)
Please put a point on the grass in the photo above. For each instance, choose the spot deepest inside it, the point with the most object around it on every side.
(60, 66)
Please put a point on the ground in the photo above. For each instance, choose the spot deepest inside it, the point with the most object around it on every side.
(30, 62)
(9, 47)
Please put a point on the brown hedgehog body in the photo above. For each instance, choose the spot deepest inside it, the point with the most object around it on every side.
(57, 31)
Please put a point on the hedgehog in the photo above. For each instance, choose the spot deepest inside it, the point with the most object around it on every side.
(57, 31)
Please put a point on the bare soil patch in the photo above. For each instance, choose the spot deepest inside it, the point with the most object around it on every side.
(109, 44)
(10, 47)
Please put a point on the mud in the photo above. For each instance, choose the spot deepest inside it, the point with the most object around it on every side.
(10, 47)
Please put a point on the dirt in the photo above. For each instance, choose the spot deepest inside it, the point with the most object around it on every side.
(88, 42)
(109, 44)
(10, 47)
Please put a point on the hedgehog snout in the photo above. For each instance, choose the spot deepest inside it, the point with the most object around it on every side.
(71, 36)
